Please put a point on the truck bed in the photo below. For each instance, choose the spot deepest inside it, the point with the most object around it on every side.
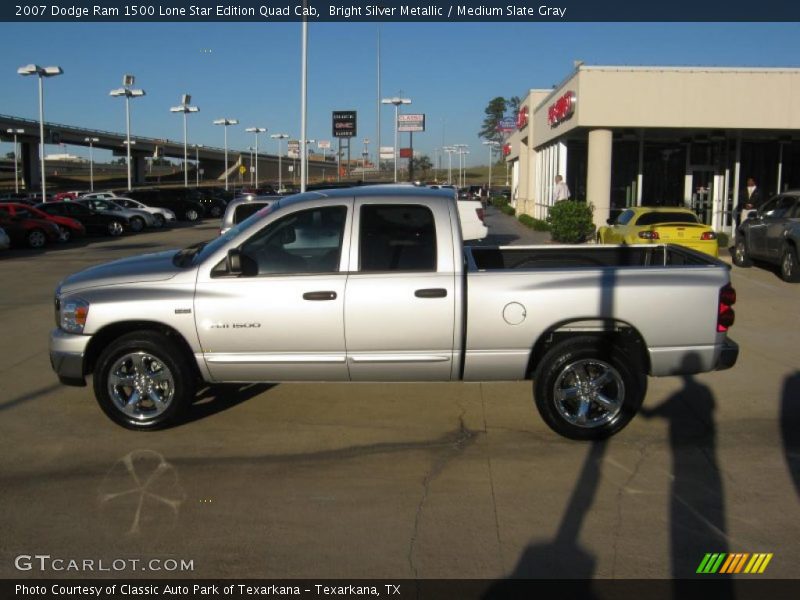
(490, 258)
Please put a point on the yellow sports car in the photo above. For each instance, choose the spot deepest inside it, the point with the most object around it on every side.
(659, 225)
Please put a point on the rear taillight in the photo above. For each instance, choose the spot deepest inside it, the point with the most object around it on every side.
(725, 314)
(481, 213)
(648, 235)
(708, 235)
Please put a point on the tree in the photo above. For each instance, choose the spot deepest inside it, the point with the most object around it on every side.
(421, 164)
(495, 111)
(513, 104)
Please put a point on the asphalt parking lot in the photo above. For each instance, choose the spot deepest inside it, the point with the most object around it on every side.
(397, 481)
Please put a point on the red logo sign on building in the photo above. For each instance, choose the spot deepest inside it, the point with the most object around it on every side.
(562, 109)
(506, 149)
(522, 117)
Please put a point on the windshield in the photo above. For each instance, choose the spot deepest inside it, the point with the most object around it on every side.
(209, 248)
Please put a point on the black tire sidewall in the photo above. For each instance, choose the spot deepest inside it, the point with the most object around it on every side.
(158, 221)
(746, 261)
(137, 224)
(795, 276)
(167, 352)
(630, 370)
(29, 238)
(110, 229)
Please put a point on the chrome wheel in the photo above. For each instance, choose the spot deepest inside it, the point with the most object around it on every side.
(191, 215)
(140, 385)
(64, 234)
(115, 228)
(789, 270)
(589, 393)
(36, 239)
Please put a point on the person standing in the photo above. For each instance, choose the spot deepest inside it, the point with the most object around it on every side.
(749, 199)
(560, 191)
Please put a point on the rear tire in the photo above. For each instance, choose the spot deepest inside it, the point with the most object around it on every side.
(143, 380)
(191, 215)
(215, 211)
(588, 388)
(36, 238)
(64, 234)
(790, 270)
(741, 258)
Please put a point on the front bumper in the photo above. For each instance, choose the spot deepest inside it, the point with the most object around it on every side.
(67, 351)
(728, 355)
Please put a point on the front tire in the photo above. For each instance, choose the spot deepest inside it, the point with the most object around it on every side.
(740, 256)
(115, 229)
(215, 211)
(191, 215)
(143, 380)
(790, 271)
(137, 224)
(64, 234)
(588, 388)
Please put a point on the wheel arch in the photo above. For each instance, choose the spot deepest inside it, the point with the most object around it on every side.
(109, 333)
(616, 331)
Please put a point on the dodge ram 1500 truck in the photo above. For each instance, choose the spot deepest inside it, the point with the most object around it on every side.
(373, 284)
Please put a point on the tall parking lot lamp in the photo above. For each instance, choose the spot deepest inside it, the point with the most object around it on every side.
(397, 102)
(42, 72)
(197, 163)
(280, 137)
(91, 141)
(16, 132)
(450, 150)
(461, 150)
(127, 93)
(225, 124)
(492, 145)
(185, 109)
(256, 131)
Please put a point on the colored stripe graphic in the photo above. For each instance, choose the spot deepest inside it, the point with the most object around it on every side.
(724, 563)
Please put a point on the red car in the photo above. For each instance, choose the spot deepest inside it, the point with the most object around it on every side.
(68, 228)
(33, 233)
(66, 196)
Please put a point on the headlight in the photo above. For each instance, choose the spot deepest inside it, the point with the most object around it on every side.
(74, 313)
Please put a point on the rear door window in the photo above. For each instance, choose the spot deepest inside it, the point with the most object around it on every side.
(397, 238)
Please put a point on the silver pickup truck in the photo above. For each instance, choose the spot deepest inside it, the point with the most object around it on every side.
(373, 284)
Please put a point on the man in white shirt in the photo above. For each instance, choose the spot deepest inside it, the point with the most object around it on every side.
(560, 191)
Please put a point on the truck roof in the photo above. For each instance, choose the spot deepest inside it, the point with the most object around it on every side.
(371, 191)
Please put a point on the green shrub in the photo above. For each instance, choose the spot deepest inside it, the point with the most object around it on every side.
(571, 222)
(498, 201)
(535, 224)
(508, 209)
(723, 239)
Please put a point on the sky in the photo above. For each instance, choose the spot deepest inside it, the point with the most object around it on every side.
(251, 71)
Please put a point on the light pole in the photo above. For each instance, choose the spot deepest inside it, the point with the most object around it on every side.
(280, 137)
(492, 145)
(225, 124)
(397, 102)
(461, 149)
(128, 93)
(15, 132)
(256, 131)
(185, 109)
(41, 72)
(91, 141)
(450, 150)
(197, 163)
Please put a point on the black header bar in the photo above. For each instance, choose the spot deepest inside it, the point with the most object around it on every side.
(533, 11)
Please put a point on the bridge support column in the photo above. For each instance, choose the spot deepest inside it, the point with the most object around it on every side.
(31, 172)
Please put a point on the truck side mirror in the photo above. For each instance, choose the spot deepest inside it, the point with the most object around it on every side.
(234, 261)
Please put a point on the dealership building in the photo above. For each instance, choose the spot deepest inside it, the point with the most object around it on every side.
(658, 136)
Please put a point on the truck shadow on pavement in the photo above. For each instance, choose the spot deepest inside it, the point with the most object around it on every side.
(214, 399)
(790, 426)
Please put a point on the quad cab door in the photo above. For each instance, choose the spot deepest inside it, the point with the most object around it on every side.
(400, 302)
(281, 318)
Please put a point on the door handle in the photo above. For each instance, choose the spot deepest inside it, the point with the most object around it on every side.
(431, 293)
(319, 296)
